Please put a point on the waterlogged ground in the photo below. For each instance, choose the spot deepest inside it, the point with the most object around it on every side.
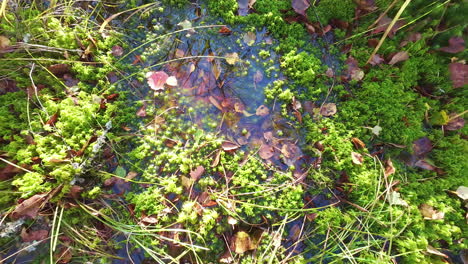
(233, 132)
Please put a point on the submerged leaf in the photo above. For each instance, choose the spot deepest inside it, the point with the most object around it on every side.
(232, 58)
(262, 111)
(265, 152)
(156, 80)
(249, 38)
(229, 146)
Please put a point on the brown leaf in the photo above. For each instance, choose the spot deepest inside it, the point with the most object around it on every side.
(422, 146)
(358, 144)
(150, 220)
(249, 38)
(117, 51)
(300, 6)
(229, 146)
(35, 235)
(75, 191)
(376, 60)
(398, 57)
(59, 69)
(4, 42)
(458, 74)
(328, 109)
(430, 213)
(142, 111)
(197, 173)
(329, 73)
(30, 207)
(8, 172)
(383, 24)
(265, 152)
(262, 111)
(63, 255)
(224, 30)
(243, 242)
(366, 5)
(423, 164)
(456, 44)
(215, 102)
(52, 120)
(389, 169)
(356, 158)
(455, 124)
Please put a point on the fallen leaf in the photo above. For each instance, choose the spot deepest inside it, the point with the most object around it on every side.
(35, 235)
(376, 60)
(63, 255)
(179, 53)
(142, 111)
(422, 146)
(75, 191)
(455, 123)
(215, 102)
(262, 111)
(243, 242)
(131, 175)
(232, 58)
(249, 38)
(117, 51)
(462, 192)
(423, 164)
(458, 74)
(59, 69)
(216, 69)
(226, 257)
(53, 119)
(30, 207)
(430, 213)
(265, 152)
(398, 57)
(356, 158)
(456, 44)
(300, 6)
(156, 80)
(389, 169)
(434, 251)
(328, 109)
(4, 42)
(376, 130)
(197, 173)
(224, 30)
(329, 73)
(150, 220)
(357, 75)
(358, 144)
(383, 24)
(229, 146)
(171, 81)
(9, 171)
(394, 198)
(366, 5)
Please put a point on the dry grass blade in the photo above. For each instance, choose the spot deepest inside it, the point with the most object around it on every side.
(389, 28)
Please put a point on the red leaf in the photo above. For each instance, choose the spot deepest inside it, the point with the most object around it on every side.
(117, 51)
(399, 56)
(300, 6)
(113, 96)
(383, 24)
(35, 235)
(156, 80)
(52, 120)
(195, 174)
(224, 30)
(458, 74)
(456, 44)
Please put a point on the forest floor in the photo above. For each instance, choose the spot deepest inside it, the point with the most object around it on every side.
(233, 131)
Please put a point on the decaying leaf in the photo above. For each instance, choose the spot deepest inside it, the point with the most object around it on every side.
(229, 146)
(258, 76)
(226, 257)
(398, 57)
(422, 146)
(197, 173)
(376, 60)
(458, 74)
(389, 169)
(358, 144)
(142, 111)
(156, 80)
(215, 102)
(9, 171)
(249, 38)
(262, 111)
(455, 124)
(376, 130)
(432, 250)
(462, 192)
(266, 152)
(383, 24)
(430, 213)
(30, 207)
(232, 58)
(328, 109)
(171, 81)
(394, 198)
(117, 51)
(456, 44)
(149, 220)
(224, 30)
(35, 235)
(244, 6)
(300, 6)
(4, 42)
(243, 242)
(356, 158)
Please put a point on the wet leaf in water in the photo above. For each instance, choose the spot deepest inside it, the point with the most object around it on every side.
(117, 51)
(232, 58)
(216, 69)
(456, 44)
(215, 102)
(356, 158)
(224, 30)
(300, 6)
(266, 152)
(156, 80)
(328, 109)
(398, 57)
(171, 81)
(458, 74)
(34, 235)
(258, 76)
(249, 38)
(197, 173)
(430, 213)
(262, 111)
(229, 146)
(422, 146)
(29, 207)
